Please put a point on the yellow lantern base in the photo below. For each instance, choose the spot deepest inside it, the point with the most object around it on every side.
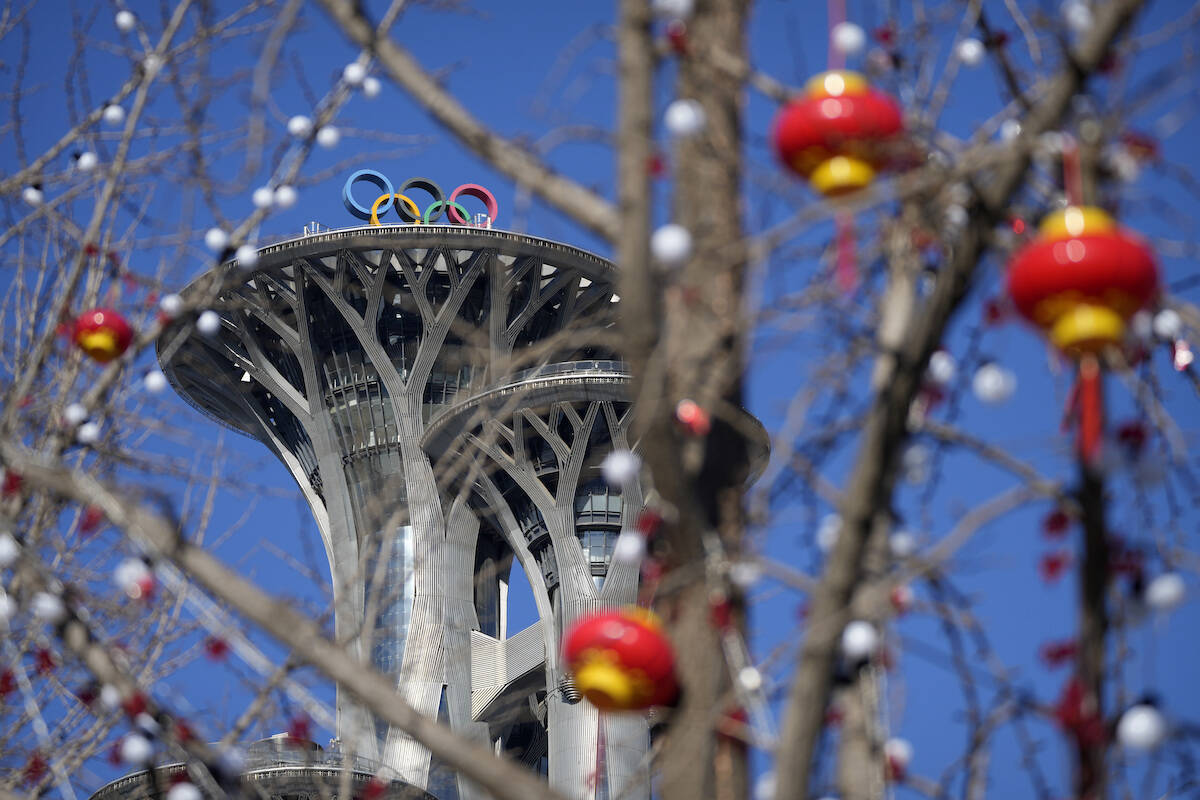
(605, 685)
(841, 175)
(1087, 329)
(99, 344)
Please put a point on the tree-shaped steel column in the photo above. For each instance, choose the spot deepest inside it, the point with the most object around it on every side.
(530, 450)
(334, 352)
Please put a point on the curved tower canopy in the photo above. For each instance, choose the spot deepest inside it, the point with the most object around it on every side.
(360, 357)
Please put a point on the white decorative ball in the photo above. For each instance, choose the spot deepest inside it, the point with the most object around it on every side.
(8, 608)
(859, 640)
(902, 544)
(86, 162)
(354, 73)
(1165, 592)
(151, 64)
(247, 256)
(1124, 164)
(155, 381)
(88, 433)
(125, 21)
(285, 196)
(113, 115)
(671, 244)
(209, 322)
(744, 574)
(75, 413)
(764, 787)
(672, 9)
(299, 126)
(1010, 129)
(371, 87)
(848, 38)
(1168, 324)
(620, 467)
(1141, 325)
(216, 240)
(49, 608)
(898, 752)
(136, 749)
(942, 367)
(184, 791)
(1141, 727)
(750, 679)
(914, 462)
(828, 532)
(971, 52)
(328, 137)
(129, 575)
(993, 383)
(685, 118)
(110, 697)
(1077, 15)
(10, 548)
(263, 197)
(32, 195)
(147, 724)
(170, 304)
(630, 547)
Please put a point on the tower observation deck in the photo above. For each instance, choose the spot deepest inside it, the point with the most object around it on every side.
(440, 397)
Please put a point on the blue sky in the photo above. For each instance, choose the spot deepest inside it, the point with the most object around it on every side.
(526, 67)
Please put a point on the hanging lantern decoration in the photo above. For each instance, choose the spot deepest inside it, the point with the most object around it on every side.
(1080, 281)
(621, 660)
(836, 135)
(103, 334)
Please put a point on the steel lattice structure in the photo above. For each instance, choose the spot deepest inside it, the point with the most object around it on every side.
(366, 357)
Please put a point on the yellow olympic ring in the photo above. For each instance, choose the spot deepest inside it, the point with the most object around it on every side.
(416, 212)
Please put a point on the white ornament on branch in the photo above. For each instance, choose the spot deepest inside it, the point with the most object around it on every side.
(671, 244)
(860, 640)
(299, 126)
(685, 118)
(209, 322)
(354, 73)
(263, 197)
(113, 115)
(970, 52)
(328, 137)
(848, 38)
(1141, 727)
(216, 240)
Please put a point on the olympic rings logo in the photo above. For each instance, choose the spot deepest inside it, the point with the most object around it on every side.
(407, 208)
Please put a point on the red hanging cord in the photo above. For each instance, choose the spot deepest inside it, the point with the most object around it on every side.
(1090, 403)
(846, 270)
(837, 15)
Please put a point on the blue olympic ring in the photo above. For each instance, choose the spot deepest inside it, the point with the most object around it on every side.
(408, 210)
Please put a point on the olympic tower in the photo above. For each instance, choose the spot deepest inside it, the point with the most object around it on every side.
(438, 392)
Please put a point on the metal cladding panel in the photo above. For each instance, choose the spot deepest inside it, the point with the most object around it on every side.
(497, 665)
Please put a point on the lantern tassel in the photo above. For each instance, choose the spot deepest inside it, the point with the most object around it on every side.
(1090, 405)
(846, 271)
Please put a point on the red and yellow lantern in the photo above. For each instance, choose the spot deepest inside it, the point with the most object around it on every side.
(103, 334)
(835, 134)
(1081, 279)
(621, 659)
